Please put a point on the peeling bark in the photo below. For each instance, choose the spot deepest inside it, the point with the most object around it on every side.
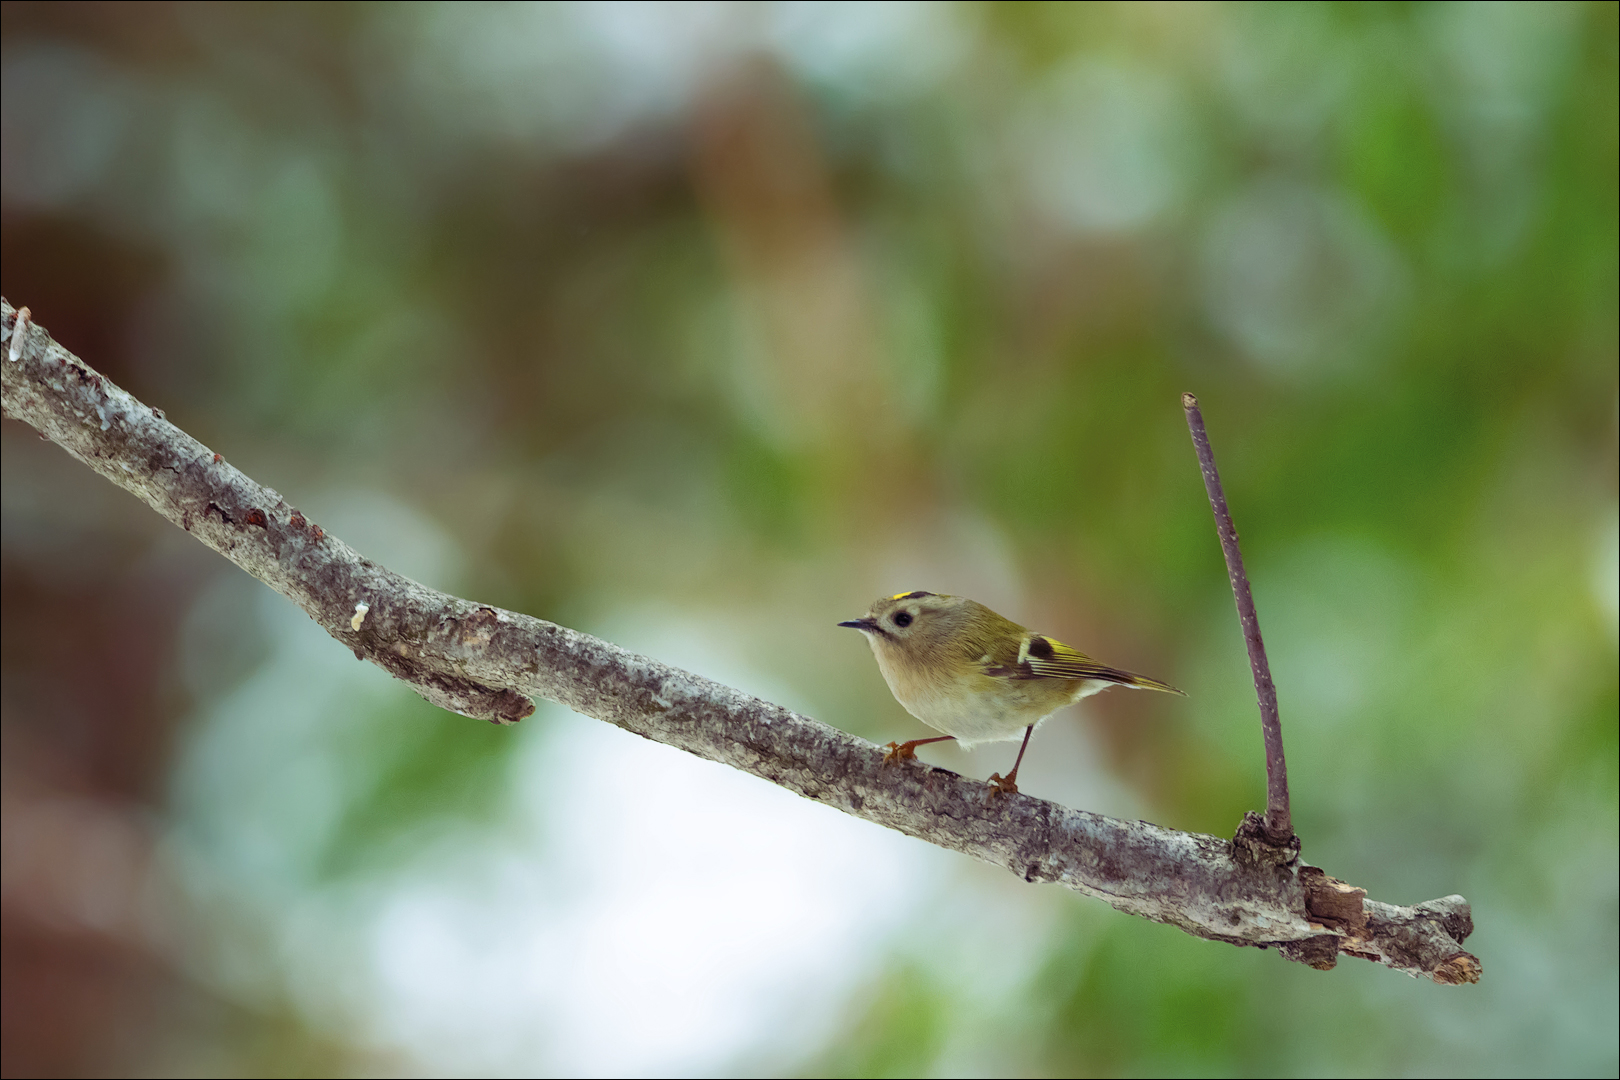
(488, 663)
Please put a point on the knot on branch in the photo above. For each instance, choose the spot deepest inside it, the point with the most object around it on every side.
(498, 706)
(456, 693)
(1254, 844)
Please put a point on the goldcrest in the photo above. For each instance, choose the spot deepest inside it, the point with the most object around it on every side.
(962, 669)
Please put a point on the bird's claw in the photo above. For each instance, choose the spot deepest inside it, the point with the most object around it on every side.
(898, 751)
(1002, 786)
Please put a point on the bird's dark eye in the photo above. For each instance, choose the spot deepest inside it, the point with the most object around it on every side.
(902, 618)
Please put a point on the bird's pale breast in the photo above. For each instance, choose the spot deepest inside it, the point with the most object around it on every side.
(977, 708)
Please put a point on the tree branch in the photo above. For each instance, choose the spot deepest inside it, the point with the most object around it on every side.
(1279, 822)
(484, 662)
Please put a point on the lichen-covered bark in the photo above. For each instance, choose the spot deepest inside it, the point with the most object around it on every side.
(485, 662)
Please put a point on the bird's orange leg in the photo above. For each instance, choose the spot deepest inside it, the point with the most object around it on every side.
(1008, 785)
(906, 751)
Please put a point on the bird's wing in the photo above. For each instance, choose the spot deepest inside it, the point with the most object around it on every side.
(1041, 657)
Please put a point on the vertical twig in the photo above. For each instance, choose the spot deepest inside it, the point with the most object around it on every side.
(1279, 822)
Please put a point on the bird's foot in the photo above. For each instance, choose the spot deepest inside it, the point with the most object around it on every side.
(907, 751)
(1000, 785)
(900, 751)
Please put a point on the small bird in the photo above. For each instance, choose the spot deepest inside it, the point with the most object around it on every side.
(962, 669)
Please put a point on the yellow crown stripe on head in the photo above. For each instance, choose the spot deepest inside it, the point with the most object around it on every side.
(910, 595)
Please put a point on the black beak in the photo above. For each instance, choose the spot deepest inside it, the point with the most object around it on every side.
(867, 626)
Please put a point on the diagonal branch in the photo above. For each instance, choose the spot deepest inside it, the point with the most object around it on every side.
(484, 662)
